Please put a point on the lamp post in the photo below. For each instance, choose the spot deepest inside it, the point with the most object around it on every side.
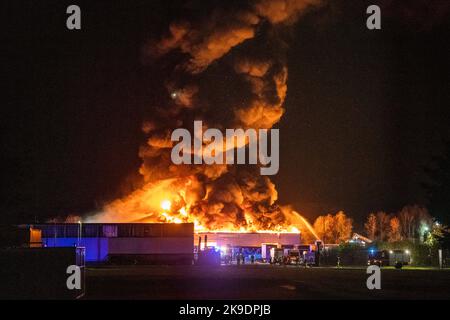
(79, 231)
(438, 225)
(426, 230)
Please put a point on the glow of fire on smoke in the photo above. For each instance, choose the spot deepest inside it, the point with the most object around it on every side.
(214, 202)
(166, 206)
(158, 203)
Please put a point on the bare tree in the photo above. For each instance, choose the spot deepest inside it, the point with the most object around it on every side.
(413, 220)
(371, 226)
(343, 227)
(382, 225)
(406, 223)
(394, 231)
(323, 226)
(333, 229)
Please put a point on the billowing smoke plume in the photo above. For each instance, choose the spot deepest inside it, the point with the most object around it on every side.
(230, 72)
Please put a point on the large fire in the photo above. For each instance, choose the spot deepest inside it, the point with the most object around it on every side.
(169, 201)
(231, 72)
(181, 216)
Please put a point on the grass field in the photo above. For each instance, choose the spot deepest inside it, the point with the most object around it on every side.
(262, 282)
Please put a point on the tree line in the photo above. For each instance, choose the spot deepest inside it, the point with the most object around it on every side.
(411, 222)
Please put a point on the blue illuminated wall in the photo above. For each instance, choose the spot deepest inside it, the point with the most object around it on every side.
(96, 248)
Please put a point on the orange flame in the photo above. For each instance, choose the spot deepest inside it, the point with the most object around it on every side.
(159, 203)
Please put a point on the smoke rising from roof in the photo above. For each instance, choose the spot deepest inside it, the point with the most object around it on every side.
(229, 71)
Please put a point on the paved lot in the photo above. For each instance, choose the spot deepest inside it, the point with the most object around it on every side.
(260, 282)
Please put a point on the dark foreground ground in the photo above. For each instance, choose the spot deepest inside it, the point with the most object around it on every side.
(261, 282)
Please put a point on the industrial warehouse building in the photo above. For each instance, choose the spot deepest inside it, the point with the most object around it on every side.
(124, 242)
(250, 240)
(155, 243)
(256, 244)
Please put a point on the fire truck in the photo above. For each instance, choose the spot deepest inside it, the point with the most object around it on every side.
(277, 256)
(300, 255)
(293, 256)
(395, 258)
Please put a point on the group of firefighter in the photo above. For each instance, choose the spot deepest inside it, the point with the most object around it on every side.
(240, 257)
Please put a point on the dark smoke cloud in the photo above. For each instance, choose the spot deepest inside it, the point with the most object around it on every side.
(229, 72)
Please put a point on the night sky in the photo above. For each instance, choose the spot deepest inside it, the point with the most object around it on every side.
(365, 109)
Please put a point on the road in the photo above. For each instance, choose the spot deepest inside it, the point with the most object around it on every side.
(261, 282)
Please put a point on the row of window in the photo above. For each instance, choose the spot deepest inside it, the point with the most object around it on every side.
(89, 230)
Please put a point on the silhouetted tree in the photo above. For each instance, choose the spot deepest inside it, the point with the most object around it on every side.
(438, 191)
(438, 186)
(414, 221)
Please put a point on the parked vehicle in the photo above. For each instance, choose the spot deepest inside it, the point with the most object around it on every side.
(293, 257)
(277, 256)
(265, 251)
(395, 258)
(309, 258)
